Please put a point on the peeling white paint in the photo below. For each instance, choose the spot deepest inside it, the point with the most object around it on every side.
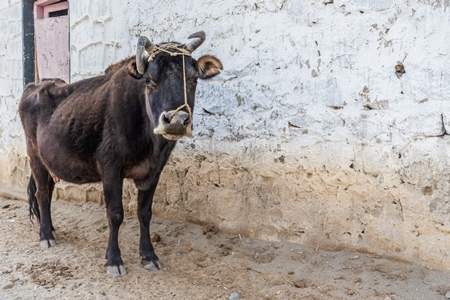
(308, 135)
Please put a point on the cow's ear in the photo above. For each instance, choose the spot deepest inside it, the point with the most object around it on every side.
(208, 66)
(132, 69)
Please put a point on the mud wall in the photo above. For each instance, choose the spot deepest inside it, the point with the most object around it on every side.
(328, 127)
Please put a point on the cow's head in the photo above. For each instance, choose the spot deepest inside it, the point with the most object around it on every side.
(169, 74)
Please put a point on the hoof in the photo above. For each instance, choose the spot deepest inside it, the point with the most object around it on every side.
(152, 265)
(45, 244)
(116, 271)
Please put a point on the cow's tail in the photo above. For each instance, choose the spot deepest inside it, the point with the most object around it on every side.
(32, 200)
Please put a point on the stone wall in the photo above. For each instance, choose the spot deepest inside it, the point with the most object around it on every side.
(13, 162)
(328, 127)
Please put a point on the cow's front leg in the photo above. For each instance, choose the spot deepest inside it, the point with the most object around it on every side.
(112, 188)
(145, 199)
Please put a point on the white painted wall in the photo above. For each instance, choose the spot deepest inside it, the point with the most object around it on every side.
(308, 135)
(13, 163)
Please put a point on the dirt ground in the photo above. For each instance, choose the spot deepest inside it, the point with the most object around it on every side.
(196, 265)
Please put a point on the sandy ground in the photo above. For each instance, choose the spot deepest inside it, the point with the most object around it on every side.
(196, 265)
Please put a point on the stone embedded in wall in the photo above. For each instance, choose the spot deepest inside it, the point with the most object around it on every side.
(327, 92)
(100, 11)
(399, 69)
(93, 52)
(446, 123)
(14, 11)
(366, 128)
(426, 124)
(440, 208)
(364, 5)
(79, 10)
(300, 122)
(217, 99)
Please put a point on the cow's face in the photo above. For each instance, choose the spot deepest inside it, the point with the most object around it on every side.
(170, 82)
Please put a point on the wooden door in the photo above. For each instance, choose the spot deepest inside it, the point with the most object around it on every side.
(51, 29)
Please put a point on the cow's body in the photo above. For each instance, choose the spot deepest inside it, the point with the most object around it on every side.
(123, 124)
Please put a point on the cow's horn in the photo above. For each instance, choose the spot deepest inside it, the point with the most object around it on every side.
(144, 46)
(199, 39)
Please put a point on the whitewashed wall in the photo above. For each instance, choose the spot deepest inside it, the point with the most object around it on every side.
(13, 163)
(308, 135)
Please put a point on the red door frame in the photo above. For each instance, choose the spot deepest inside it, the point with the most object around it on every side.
(43, 8)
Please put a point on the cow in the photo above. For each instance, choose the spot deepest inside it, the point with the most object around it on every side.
(122, 124)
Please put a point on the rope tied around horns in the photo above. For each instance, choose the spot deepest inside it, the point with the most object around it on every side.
(177, 50)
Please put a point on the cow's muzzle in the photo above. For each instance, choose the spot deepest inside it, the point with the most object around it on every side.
(173, 125)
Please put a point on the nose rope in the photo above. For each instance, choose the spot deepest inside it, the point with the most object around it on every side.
(180, 51)
(185, 95)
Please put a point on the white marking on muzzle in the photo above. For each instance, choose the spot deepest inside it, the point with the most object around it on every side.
(162, 129)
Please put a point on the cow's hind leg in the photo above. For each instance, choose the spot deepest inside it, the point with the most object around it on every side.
(40, 190)
(145, 199)
(34, 206)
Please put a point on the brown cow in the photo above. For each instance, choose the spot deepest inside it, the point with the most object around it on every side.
(123, 124)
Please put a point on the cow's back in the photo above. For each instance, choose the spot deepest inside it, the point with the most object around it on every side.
(65, 123)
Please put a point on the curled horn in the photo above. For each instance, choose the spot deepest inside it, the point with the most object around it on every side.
(199, 39)
(144, 46)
